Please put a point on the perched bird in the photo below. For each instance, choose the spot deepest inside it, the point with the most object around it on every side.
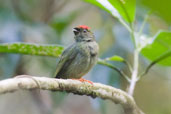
(80, 57)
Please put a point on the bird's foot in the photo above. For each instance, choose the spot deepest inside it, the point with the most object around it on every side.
(84, 80)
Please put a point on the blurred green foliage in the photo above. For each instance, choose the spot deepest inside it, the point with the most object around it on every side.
(161, 8)
(59, 24)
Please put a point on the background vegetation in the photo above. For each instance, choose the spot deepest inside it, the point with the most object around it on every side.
(51, 22)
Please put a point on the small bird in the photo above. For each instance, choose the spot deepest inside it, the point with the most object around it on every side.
(80, 57)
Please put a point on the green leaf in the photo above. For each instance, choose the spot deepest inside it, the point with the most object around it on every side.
(115, 58)
(126, 8)
(31, 49)
(118, 8)
(160, 46)
(96, 3)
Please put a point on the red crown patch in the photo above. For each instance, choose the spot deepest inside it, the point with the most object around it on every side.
(84, 27)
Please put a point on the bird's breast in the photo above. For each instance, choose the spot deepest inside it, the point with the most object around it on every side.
(90, 53)
(89, 49)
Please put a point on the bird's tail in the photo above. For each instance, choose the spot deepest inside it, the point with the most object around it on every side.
(57, 76)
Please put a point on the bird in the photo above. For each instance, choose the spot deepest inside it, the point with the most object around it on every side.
(79, 58)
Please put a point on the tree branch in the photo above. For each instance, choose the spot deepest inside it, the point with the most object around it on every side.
(26, 82)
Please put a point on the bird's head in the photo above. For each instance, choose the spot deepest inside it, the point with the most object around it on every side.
(83, 33)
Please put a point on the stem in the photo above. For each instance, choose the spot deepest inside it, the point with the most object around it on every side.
(134, 73)
(160, 58)
(128, 65)
(102, 62)
(143, 25)
(125, 25)
(144, 22)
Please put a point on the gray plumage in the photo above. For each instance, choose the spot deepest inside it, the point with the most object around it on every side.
(80, 57)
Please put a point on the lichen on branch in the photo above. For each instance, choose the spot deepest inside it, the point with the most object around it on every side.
(26, 82)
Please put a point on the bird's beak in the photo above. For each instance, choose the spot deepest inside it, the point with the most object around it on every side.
(76, 31)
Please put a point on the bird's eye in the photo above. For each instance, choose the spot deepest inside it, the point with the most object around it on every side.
(84, 31)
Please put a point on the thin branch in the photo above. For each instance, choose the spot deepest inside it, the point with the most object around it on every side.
(135, 64)
(119, 59)
(144, 22)
(160, 58)
(134, 74)
(72, 86)
(125, 24)
(102, 62)
(31, 49)
(128, 65)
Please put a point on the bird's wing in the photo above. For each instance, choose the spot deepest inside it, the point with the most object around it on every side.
(67, 55)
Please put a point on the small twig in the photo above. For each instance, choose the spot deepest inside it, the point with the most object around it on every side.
(102, 62)
(128, 65)
(118, 60)
(125, 25)
(160, 58)
(144, 22)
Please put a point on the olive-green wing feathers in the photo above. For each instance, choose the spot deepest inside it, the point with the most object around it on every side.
(66, 56)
